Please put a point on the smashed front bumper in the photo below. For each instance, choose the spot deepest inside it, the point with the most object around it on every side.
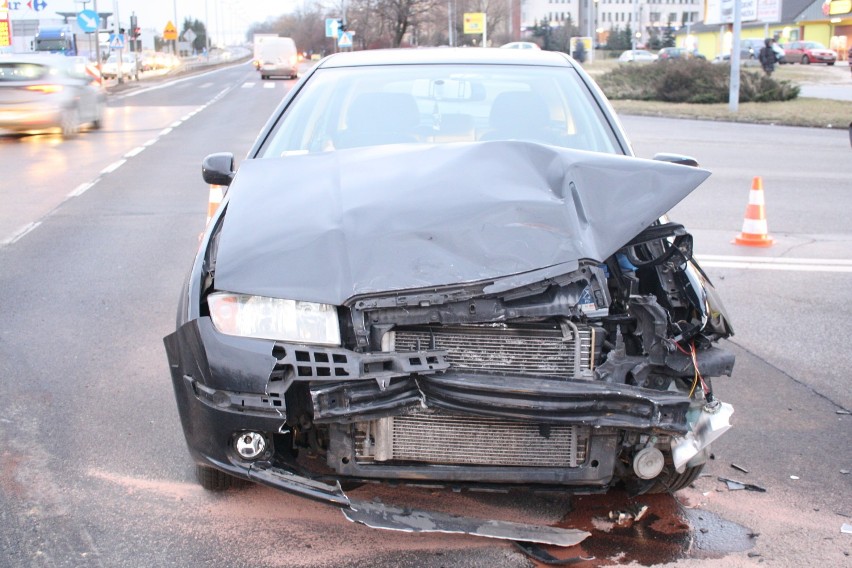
(225, 385)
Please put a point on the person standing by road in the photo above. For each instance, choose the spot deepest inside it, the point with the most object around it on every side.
(767, 57)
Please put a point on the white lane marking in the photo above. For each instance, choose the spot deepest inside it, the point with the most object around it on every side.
(770, 260)
(777, 263)
(171, 83)
(206, 85)
(783, 267)
(82, 188)
(134, 152)
(268, 85)
(247, 85)
(112, 167)
(26, 229)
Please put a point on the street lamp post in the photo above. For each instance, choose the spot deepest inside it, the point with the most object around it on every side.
(174, 45)
(207, 29)
(98, 37)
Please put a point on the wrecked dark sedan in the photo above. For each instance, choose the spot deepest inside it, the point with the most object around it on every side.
(446, 267)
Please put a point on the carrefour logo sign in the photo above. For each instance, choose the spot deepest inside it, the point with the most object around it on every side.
(17, 5)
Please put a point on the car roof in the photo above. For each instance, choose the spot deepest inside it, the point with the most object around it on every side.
(41, 59)
(447, 55)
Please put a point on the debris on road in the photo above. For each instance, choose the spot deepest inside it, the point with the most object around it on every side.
(794, 477)
(739, 468)
(378, 516)
(623, 518)
(538, 554)
(734, 485)
(844, 471)
(843, 412)
(846, 528)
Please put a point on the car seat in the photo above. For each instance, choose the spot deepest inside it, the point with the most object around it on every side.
(519, 115)
(380, 118)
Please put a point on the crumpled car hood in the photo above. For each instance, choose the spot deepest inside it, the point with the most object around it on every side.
(330, 226)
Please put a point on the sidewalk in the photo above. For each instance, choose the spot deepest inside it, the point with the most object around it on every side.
(835, 83)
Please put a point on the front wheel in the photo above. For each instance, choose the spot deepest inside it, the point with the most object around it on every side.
(805, 60)
(213, 479)
(70, 122)
(98, 122)
(670, 480)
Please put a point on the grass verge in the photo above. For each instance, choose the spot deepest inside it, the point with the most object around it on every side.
(819, 113)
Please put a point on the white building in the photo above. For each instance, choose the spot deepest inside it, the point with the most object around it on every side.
(600, 17)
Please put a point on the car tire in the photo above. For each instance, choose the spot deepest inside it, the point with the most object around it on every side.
(213, 479)
(670, 480)
(98, 122)
(70, 122)
(830, 63)
(805, 60)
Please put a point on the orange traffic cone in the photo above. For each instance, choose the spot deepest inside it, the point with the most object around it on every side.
(214, 199)
(755, 232)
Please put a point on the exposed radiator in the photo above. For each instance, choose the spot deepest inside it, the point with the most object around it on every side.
(440, 438)
(524, 351)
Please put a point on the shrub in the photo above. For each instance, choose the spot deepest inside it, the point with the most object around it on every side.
(691, 81)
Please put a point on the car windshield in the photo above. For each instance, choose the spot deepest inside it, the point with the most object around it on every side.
(813, 45)
(364, 106)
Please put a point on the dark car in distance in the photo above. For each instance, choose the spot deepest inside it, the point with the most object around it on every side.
(668, 53)
(445, 266)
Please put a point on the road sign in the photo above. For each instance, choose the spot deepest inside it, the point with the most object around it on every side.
(345, 40)
(88, 21)
(331, 27)
(116, 41)
(5, 30)
(474, 22)
(170, 32)
(189, 36)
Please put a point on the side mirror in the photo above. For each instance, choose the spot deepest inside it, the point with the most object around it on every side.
(218, 169)
(677, 159)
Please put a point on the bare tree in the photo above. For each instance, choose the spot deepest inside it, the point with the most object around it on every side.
(307, 28)
(399, 15)
(370, 29)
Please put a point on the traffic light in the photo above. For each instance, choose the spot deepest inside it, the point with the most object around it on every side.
(134, 26)
(137, 31)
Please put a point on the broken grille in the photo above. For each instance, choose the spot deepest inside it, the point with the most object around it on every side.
(538, 352)
(469, 440)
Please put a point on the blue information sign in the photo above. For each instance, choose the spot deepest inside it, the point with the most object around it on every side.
(88, 21)
(331, 27)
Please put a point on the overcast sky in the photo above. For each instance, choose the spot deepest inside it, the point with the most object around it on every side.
(228, 18)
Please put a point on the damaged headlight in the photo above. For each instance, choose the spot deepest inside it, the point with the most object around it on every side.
(274, 318)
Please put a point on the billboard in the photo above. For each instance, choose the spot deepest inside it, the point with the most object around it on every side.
(718, 12)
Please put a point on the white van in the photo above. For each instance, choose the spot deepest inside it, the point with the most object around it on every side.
(277, 56)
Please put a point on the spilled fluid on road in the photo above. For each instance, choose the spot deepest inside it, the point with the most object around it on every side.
(665, 532)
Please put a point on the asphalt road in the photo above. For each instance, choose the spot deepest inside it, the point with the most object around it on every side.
(97, 233)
